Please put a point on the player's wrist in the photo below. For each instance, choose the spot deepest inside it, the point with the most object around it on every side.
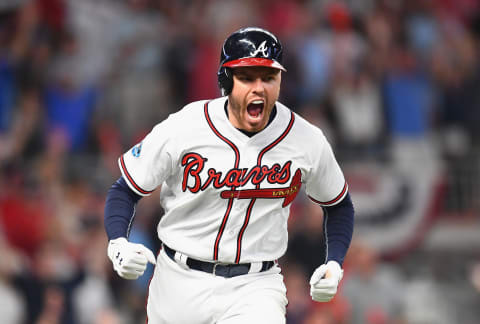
(120, 239)
(113, 246)
(335, 269)
(334, 264)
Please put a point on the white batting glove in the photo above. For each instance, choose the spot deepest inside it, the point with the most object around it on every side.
(129, 259)
(325, 280)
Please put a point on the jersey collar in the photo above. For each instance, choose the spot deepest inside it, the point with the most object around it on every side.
(274, 128)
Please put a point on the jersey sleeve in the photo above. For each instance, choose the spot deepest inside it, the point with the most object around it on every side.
(325, 183)
(147, 164)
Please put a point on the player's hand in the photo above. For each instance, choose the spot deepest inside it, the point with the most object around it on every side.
(324, 281)
(129, 259)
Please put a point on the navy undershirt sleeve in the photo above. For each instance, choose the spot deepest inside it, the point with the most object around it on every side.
(338, 229)
(119, 209)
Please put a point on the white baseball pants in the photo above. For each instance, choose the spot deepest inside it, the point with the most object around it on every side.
(178, 295)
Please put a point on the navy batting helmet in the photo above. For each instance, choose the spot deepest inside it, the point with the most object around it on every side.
(251, 46)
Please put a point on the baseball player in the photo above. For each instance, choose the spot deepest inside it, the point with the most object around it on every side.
(229, 169)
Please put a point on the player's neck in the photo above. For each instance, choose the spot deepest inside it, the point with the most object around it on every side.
(250, 134)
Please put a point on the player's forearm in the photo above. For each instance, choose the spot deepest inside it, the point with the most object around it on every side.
(339, 229)
(119, 209)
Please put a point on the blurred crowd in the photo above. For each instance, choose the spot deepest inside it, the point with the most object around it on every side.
(395, 86)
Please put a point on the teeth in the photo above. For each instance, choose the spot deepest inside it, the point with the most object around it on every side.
(257, 102)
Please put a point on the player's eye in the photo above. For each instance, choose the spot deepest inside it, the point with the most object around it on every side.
(246, 78)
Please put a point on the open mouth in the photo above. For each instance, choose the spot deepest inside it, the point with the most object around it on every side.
(255, 108)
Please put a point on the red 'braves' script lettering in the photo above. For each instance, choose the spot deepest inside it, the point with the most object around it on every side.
(194, 163)
(193, 168)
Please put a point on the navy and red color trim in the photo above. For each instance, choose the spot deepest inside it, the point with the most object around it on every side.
(230, 201)
(130, 179)
(334, 200)
(252, 202)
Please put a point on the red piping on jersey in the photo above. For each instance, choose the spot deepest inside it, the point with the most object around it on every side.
(230, 201)
(333, 201)
(259, 162)
(130, 179)
(281, 137)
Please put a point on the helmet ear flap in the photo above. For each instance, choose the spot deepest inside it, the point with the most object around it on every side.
(225, 80)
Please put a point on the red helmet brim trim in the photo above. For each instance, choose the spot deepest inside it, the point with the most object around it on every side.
(254, 61)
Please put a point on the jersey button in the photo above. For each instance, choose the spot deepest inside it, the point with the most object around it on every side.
(233, 231)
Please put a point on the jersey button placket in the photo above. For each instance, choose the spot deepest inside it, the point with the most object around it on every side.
(250, 153)
(238, 205)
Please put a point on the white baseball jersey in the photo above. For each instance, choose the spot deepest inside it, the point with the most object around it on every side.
(226, 195)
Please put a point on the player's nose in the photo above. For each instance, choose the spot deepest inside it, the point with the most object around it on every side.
(258, 86)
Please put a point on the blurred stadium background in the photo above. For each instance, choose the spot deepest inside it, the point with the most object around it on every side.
(395, 85)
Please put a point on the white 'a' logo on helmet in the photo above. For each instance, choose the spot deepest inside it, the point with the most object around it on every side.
(261, 49)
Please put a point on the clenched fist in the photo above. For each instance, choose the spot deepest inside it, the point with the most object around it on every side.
(129, 259)
(324, 281)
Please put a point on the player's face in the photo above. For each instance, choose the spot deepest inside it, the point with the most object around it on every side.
(255, 91)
